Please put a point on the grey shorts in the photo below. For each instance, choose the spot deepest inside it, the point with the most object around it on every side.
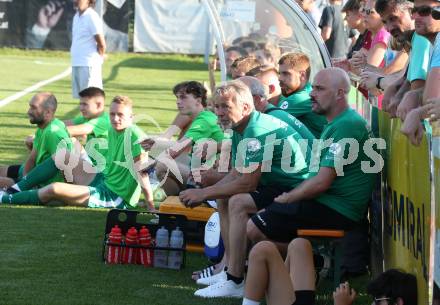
(85, 77)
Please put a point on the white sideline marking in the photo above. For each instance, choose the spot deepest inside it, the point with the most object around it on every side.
(38, 85)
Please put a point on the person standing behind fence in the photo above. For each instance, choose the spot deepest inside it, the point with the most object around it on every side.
(333, 30)
(88, 47)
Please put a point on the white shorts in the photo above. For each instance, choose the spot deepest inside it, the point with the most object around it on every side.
(85, 77)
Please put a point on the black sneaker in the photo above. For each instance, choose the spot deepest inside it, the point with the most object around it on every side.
(11, 190)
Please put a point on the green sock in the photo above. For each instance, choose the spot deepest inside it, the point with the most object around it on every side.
(38, 175)
(27, 197)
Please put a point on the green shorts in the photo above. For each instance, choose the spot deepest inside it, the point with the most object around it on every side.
(102, 197)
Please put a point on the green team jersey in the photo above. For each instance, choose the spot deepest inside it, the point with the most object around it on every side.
(299, 105)
(119, 174)
(290, 120)
(101, 126)
(349, 194)
(204, 126)
(46, 143)
(273, 143)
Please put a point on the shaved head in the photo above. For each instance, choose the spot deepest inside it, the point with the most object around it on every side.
(42, 108)
(47, 100)
(338, 78)
(330, 92)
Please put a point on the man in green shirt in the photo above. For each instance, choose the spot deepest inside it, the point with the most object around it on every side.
(191, 101)
(50, 133)
(336, 197)
(268, 157)
(294, 69)
(259, 94)
(118, 186)
(92, 125)
(268, 76)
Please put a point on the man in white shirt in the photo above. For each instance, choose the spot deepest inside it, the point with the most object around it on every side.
(88, 47)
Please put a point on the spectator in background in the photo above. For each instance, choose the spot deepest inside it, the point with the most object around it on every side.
(396, 15)
(354, 20)
(249, 45)
(88, 48)
(375, 55)
(311, 10)
(243, 65)
(231, 54)
(333, 30)
(268, 54)
(427, 23)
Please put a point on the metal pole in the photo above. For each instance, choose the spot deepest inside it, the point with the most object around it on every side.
(212, 13)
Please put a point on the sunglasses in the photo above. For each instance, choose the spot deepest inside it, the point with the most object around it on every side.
(378, 300)
(367, 11)
(424, 11)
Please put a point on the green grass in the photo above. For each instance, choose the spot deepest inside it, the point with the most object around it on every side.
(52, 255)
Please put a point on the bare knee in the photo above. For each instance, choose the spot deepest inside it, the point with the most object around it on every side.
(241, 204)
(253, 232)
(52, 189)
(300, 246)
(238, 204)
(262, 250)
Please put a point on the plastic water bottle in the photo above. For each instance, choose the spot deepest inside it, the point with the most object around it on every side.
(159, 194)
(214, 248)
(175, 258)
(145, 256)
(161, 256)
(130, 254)
(114, 252)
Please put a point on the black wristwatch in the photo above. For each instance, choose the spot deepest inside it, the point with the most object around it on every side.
(378, 82)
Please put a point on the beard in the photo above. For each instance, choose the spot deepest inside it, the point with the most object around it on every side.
(36, 120)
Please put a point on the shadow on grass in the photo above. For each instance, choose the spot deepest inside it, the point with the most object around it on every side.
(155, 63)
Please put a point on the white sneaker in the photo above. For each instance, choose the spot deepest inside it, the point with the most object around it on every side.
(223, 289)
(219, 277)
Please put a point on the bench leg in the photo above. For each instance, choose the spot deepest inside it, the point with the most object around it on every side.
(338, 264)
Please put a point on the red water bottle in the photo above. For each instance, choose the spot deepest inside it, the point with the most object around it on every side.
(130, 254)
(114, 251)
(145, 256)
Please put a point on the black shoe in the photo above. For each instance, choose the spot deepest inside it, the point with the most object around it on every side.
(11, 190)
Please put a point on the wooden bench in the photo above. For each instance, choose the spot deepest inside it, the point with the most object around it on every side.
(198, 216)
(332, 241)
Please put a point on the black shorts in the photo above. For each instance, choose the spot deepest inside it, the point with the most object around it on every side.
(280, 221)
(264, 195)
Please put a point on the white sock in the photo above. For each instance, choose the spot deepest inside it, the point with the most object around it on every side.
(249, 302)
(15, 187)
